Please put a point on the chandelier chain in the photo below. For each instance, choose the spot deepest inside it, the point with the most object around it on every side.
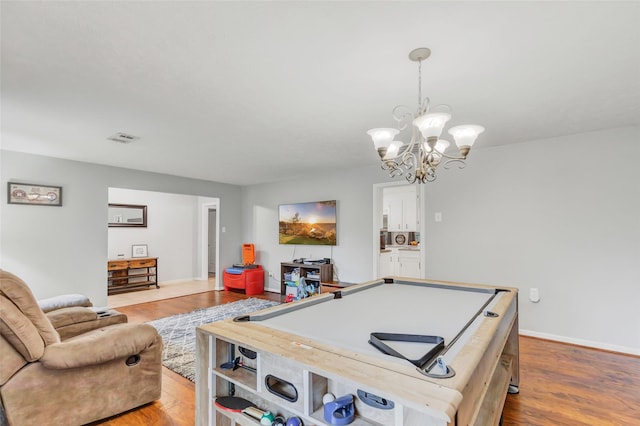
(419, 84)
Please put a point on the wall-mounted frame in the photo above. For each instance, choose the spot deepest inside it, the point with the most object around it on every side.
(34, 194)
(139, 250)
(308, 223)
(127, 215)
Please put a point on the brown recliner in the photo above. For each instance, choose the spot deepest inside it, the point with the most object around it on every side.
(73, 314)
(88, 377)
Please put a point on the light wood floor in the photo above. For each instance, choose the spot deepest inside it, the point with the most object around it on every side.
(560, 384)
(166, 291)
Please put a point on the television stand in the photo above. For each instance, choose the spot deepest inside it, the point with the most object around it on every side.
(315, 273)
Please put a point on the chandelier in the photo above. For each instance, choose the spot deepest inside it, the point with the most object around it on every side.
(419, 159)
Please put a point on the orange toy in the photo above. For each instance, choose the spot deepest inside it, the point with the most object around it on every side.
(248, 254)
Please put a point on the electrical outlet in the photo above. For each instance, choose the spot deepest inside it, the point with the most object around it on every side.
(534, 295)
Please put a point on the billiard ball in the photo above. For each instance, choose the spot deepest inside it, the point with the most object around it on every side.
(294, 421)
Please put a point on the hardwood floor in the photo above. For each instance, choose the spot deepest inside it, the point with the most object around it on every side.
(560, 384)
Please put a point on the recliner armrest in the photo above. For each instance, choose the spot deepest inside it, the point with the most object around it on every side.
(67, 316)
(100, 346)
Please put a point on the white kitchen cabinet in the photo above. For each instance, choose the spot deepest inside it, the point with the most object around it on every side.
(387, 264)
(401, 203)
(400, 263)
(409, 264)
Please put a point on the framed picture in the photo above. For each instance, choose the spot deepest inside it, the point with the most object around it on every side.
(308, 223)
(127, 215)
(34, 194)
(139, 250)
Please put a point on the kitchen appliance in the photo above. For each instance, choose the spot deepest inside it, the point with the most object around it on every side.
(401, 238)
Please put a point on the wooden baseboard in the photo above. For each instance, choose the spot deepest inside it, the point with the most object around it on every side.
(582, 343)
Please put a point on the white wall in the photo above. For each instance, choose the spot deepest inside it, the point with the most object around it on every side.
(64, 249)
(171, 232)
(561, 215)
(353, 192)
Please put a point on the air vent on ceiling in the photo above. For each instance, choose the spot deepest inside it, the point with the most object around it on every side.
(123, 138)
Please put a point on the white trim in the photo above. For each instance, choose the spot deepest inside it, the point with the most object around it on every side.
(581, 342)
(203, 232)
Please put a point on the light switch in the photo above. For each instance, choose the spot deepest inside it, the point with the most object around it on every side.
(438, 217)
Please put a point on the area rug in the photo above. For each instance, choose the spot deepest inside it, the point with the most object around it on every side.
(179, 332)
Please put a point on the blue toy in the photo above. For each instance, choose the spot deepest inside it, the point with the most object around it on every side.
(340, 411)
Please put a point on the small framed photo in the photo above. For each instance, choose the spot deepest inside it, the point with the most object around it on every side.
(139, 250)
(34, 194)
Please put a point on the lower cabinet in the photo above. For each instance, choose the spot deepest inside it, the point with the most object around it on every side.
(400, 263)
(387, 264)
(409, 264)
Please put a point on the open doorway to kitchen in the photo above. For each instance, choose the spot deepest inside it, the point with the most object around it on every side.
(398, 230)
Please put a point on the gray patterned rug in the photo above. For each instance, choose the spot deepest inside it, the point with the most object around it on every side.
(179, 332)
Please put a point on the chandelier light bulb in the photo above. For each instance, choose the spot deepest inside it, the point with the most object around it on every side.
(393, 149)
(466, 134)
(442, 145)
(431, 124)
(382, 137)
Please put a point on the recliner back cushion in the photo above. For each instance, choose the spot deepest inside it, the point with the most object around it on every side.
(20, 331)
(14, 289)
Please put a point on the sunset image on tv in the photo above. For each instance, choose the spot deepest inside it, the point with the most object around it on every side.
(308, 223)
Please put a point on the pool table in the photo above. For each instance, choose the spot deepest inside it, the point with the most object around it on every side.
(409, 351)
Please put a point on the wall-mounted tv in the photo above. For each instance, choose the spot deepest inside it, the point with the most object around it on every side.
(308, 223)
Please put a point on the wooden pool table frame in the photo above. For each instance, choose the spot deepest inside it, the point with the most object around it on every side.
(485, 366)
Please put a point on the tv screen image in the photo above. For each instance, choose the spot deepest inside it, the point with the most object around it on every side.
(308, 223)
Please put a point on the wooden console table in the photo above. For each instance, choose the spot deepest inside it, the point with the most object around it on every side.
(131, 274)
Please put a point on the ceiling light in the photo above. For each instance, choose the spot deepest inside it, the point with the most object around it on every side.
(418, 159)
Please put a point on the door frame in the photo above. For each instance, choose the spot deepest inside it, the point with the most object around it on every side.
(377, 224)
(203, 235)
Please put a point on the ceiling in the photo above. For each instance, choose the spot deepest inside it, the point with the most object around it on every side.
(252, 92)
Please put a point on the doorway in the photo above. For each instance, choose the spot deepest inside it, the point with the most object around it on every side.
(209, 236)
(181, 246)
(378, 223)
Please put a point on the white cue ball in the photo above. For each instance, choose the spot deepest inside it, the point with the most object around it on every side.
(327, 398)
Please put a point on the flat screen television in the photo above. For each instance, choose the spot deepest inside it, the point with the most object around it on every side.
(308, 223)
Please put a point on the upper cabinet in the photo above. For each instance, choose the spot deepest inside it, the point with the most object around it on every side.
(402, 205)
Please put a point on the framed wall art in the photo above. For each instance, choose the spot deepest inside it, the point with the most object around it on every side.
(308, 223)
(139, 250)
(34, 194)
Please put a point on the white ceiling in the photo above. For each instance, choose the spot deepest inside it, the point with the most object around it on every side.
(250, 92)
